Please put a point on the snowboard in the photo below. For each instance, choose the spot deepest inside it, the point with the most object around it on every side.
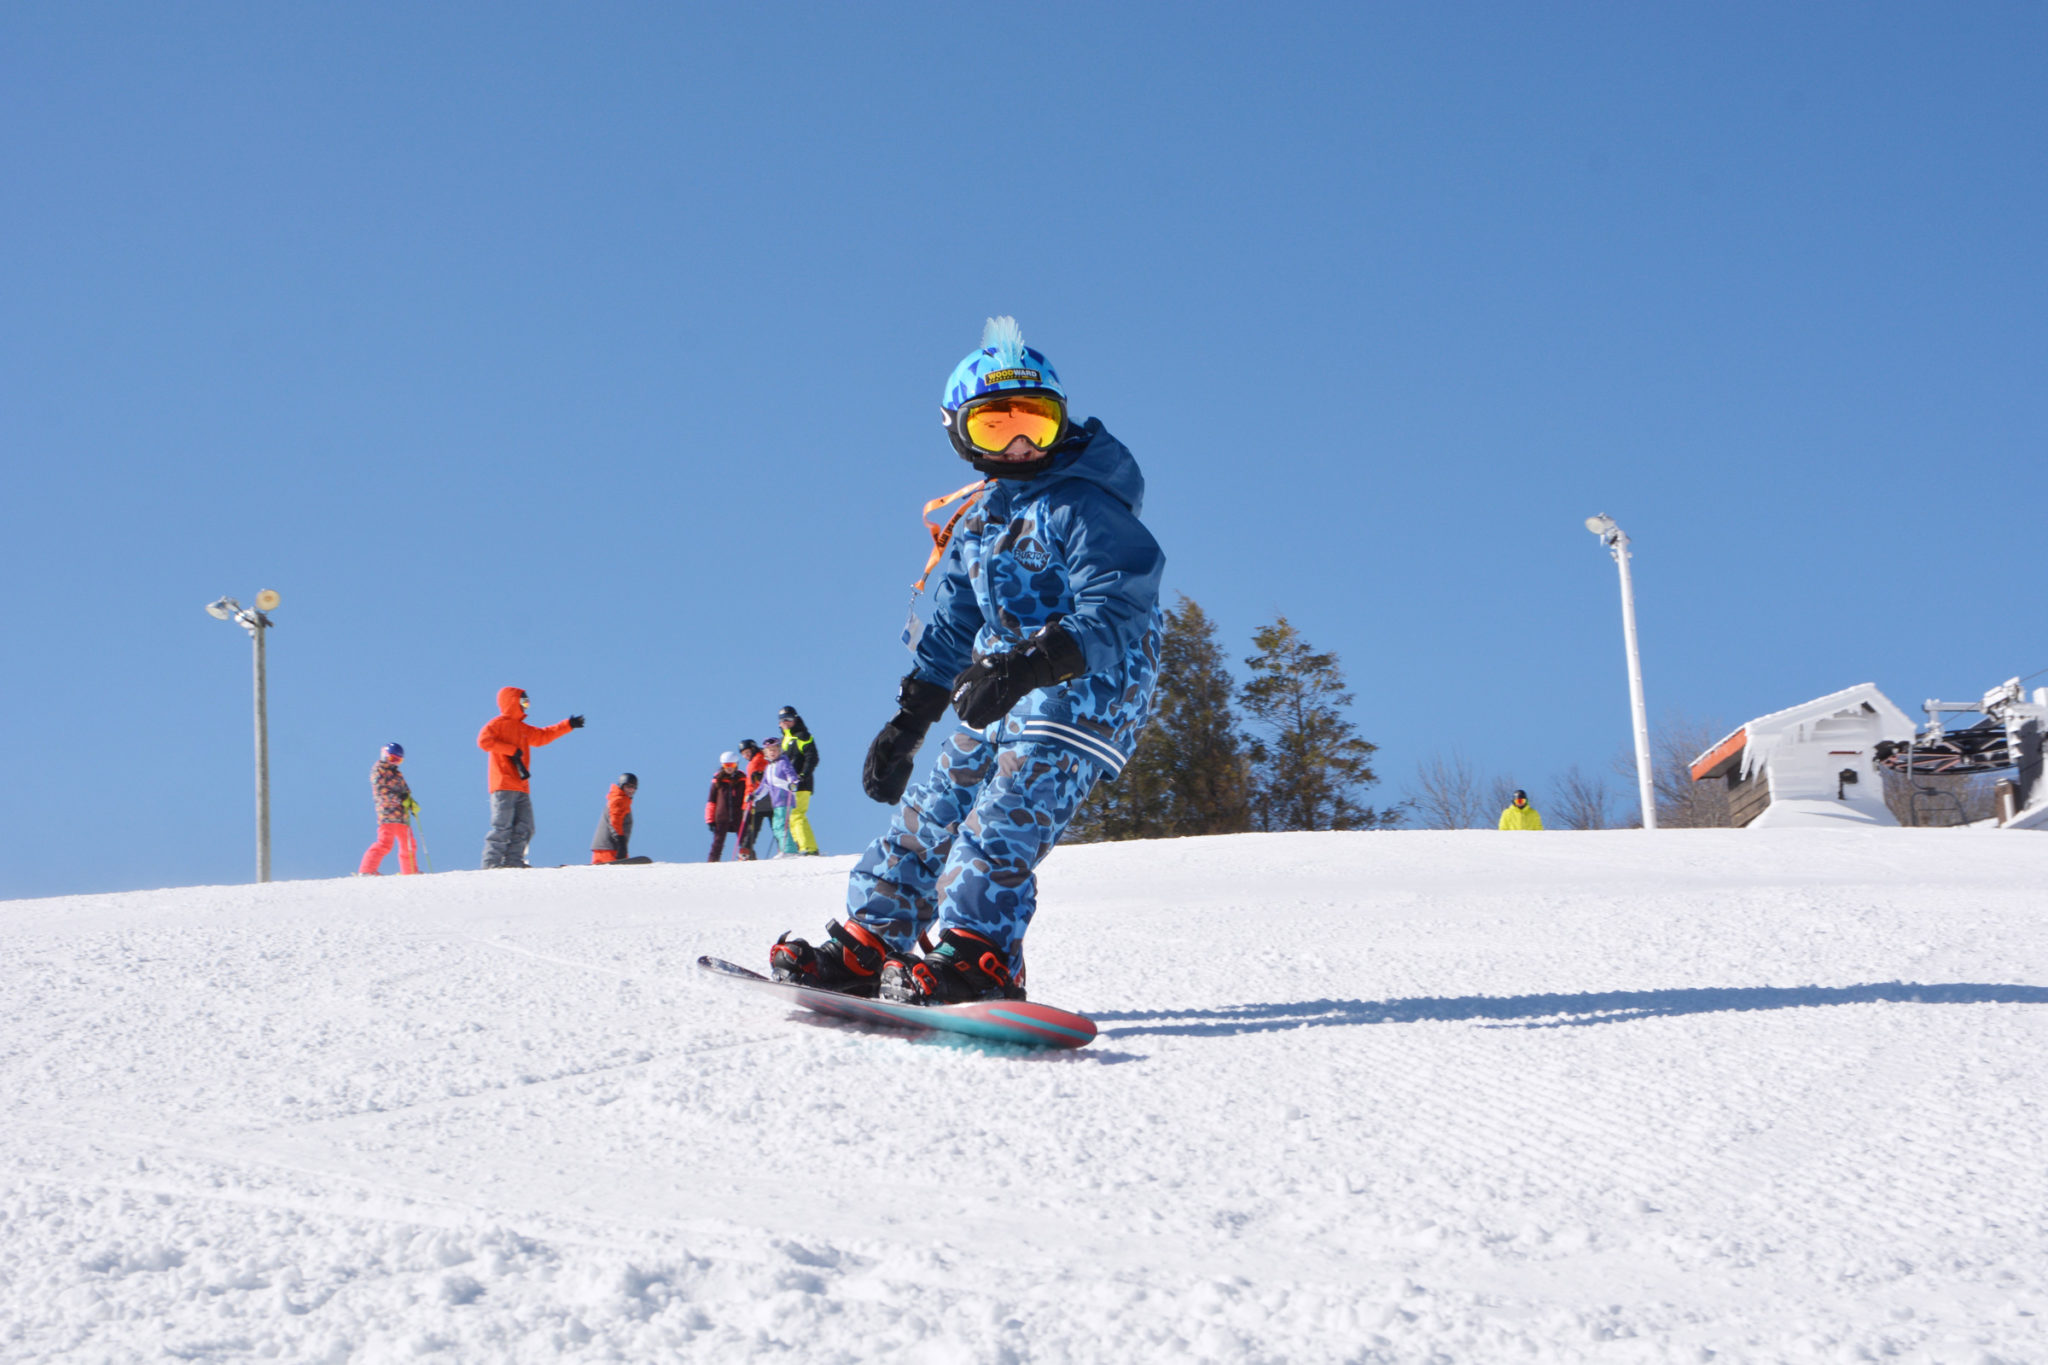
(1025, 1023)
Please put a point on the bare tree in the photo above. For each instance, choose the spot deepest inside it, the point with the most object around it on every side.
(1681, 802)
(1446, 794)
(1580, 801)
(1500, 794)
(1940, 800)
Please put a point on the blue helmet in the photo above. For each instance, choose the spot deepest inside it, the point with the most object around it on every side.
(394, 750)
(1003, 364)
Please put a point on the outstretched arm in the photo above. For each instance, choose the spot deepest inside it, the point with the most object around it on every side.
(533, 736)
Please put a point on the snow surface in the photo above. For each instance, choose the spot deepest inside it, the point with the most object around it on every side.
(1387, 1097)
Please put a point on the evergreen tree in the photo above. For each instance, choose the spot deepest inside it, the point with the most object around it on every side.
(1310, 766)
(1188, 774)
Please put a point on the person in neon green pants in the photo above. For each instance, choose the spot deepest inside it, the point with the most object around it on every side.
(802, 752)
(1520, 814)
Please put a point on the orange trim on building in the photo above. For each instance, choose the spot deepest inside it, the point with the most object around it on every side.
(1716, 761)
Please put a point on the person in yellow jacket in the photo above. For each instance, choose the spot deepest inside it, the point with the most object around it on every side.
(802, 752)
(1520, 814)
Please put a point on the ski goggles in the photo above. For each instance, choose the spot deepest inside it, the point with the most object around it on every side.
(992, 423)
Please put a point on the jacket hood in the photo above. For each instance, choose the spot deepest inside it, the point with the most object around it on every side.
(508, 702)
(1091, 453)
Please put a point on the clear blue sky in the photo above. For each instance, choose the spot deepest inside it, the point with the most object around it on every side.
(597, 349)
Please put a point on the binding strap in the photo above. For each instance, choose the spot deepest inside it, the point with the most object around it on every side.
(943, 536)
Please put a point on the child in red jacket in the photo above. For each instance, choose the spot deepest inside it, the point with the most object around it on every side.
(726, 807)
(758, 811)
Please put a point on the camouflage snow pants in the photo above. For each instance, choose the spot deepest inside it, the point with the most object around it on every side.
(964, 845)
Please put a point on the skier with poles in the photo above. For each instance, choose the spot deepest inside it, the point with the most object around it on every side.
(1044, 637)
(395, 807)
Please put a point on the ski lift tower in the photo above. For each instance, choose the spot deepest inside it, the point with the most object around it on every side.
(256, 621)
(2009, 738)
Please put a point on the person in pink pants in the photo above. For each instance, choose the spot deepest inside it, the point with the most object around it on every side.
(394, 804)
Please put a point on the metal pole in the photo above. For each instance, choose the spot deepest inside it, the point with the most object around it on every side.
(1645, 788)
(262, 763)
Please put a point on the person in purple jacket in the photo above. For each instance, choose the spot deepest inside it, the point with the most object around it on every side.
(778, 784)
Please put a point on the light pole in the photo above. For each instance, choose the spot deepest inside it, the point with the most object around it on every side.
(1616, 541)
(253, 620)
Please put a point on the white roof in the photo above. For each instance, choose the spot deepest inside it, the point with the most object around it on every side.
(1761, 735)
(1896, 724)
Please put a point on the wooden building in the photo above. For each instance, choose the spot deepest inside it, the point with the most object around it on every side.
(1813, 765)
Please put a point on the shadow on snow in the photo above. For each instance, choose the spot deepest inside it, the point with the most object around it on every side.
(1554, 1011)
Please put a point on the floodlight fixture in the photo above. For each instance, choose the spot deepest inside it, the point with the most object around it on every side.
(223, 608)
(1616, 541)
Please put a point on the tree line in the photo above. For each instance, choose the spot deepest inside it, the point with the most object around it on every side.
(1449, 794)
(1275, 752)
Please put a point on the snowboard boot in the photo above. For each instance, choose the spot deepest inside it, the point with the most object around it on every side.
(964, 967)
(848, 961)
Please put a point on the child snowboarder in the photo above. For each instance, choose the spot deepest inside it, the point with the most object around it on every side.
(759, 812)
(778, 785)
(615, 830)
(725, 808)
(1044, 636)
(395, 808)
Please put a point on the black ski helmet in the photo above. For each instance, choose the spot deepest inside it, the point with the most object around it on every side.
(627, 780)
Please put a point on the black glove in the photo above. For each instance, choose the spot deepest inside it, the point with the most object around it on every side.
(710, 826)
(894, 752)
(987, 688)
(575, 722)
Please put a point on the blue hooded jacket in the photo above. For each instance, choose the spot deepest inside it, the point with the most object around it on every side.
(1066, 547)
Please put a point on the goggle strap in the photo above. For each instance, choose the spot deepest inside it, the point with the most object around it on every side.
(943, 536)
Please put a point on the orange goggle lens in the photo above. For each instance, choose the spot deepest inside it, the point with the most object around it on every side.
(993, 423)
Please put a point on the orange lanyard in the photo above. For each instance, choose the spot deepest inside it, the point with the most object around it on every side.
(943, 536)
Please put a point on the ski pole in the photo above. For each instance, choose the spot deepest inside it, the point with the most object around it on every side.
(419, 842)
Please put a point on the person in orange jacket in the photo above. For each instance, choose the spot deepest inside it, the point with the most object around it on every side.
(509, 740)
(725, 808)
(615, 831)
(758, 810)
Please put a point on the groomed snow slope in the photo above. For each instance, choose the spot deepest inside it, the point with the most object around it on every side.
(1387, 1097)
